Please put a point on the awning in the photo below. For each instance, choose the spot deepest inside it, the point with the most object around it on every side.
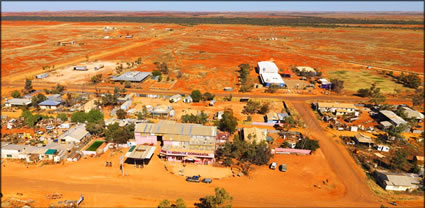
(191, 158)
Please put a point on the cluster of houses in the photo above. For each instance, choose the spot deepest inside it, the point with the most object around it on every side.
(65, 146)
(52, 102)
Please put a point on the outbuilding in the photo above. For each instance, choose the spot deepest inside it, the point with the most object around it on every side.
(397, 181)
(41, 76)
(175, 98)
(17, 102)
(188, 99)
(81, 68)
(49, 104)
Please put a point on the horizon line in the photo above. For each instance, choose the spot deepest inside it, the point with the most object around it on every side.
(117, 11)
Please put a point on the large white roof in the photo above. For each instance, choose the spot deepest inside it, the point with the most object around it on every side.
(267, 67)
(272, 78)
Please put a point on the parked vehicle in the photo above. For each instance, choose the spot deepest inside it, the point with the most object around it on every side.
(273, 165)
(207, 180)
(282, 168)
(195, 179)
(49, 127)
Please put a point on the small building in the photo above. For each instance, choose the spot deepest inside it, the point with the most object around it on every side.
(410, 113)
(336, 108)
(354, 128)
(126, 105)
(49, 104)
(126, 98)
(41, 76)
(244, 99)
(175, 98)
(384, 125)
(12, 151)
(90, 105)
(363, 139)
(254, 134)
(228, 88)
(274, 117)
(81, 68)
(212, 102)
(397, 181)
(129, 36)
(269, 79)
(267, 67)
(188, 99)
(219, 115)
(306, 69)
(74, 135)
(17, 102)
(163, 110)
(325, 84)
(287, 73)
(133, 76)
(383, 148)
(140, 154)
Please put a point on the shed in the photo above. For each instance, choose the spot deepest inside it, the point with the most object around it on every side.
(17, 102)
(49, 104)
(363, 139)
(126, 105)
(397, 181)
(41, 76)
(188, 99)
(267, 67)
(133, 76)
(81, 68)
(212, 102)
(175, 98)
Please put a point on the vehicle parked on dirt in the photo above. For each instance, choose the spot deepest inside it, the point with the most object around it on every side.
(282, 168)
(273, 165)
(207, 180)
(195, 179)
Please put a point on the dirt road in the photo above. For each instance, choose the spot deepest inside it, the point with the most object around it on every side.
(338, 158)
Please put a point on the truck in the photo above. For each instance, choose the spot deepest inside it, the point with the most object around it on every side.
(195, 179)
(273, 165)
(282, 168)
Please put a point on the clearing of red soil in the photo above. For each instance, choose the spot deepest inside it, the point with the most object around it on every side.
(207, 55)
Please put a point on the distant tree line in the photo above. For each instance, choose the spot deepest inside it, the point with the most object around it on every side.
(297, 21)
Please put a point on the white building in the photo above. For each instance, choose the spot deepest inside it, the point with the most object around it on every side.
(397, 181)
(17, 102)
(272, 79)
(305, 69)
(13, 151)
(75, 134)
(267, 67)
(413, 114)
(188, 99)
(175, 98)
(336, 108)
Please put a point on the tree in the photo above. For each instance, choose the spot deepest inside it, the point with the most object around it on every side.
(79, 117)
(16, 94)
(208, 96)
(121, 114)
(196, 96)
(337, 85)
(375, 95)
(94, 115)
(38, 99)
(119, 134)
(395, 131)
(180, 203)
(418, 98)
(264, 109)
(156, 73)
(363, 92)
(228, 122)
(164, 204)
(96, 78)
(307, 143)
(139, 60)
(127, 84)
(62, 116)
(251, 107)
(412, 81)
(28, 86)
(96, 128)
(58, 89)
(221, 199)
(272, 89)
(399, 159)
